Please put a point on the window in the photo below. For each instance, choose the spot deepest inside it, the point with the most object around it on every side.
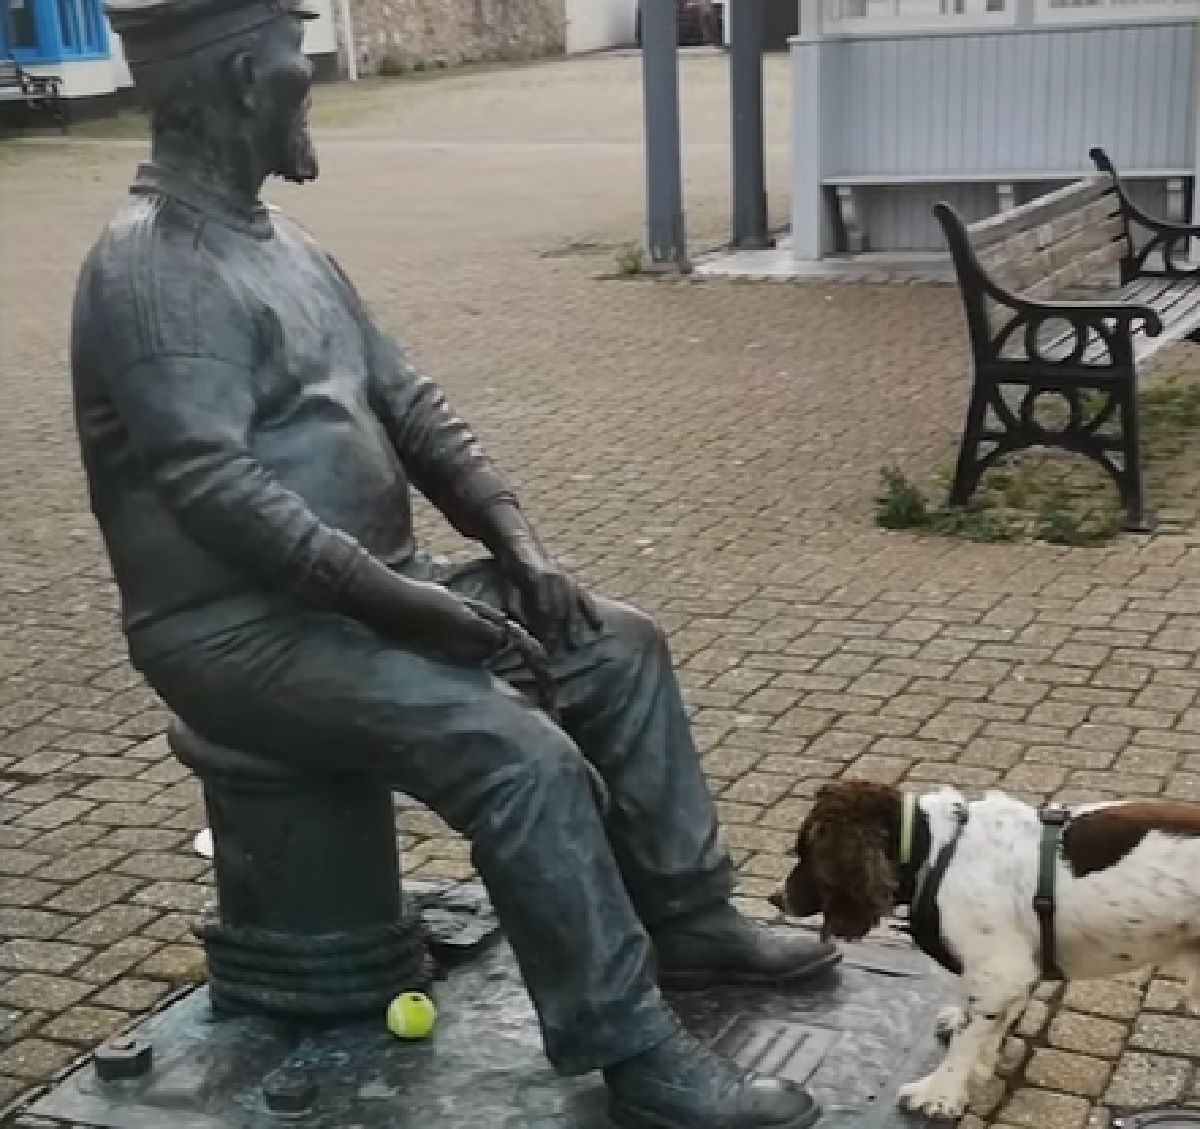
(49, 31)
(79, 24)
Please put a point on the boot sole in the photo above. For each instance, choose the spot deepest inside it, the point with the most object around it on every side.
(694, 980)
(630, 1117)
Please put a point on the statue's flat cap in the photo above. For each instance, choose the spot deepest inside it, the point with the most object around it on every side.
(151, 30)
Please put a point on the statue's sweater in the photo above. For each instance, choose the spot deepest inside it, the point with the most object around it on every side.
(246, 428)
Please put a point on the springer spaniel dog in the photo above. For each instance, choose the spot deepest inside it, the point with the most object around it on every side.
(1126, 896)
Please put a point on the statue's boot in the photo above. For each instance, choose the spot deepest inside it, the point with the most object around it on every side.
(719, 946)
(682, 1084)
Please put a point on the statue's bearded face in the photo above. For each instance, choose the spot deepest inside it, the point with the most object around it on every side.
(283, 82)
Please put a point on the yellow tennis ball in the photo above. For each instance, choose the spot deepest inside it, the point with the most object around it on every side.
(411, 1016)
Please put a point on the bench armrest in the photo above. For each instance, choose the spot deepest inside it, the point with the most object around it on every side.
(1165, 235)
(1091, 314)
(1113, 323)
(1106, 320)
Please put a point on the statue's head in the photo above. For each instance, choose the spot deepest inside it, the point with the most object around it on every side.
(226, 76)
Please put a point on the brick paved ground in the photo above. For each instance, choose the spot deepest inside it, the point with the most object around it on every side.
(709, 451)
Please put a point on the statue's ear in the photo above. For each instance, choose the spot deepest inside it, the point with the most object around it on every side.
(242, 75)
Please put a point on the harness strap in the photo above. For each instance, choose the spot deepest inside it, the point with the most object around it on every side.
(925, 925)
(1054, 820)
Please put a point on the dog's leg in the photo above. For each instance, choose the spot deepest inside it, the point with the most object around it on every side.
(995, 999)
(989, 1055)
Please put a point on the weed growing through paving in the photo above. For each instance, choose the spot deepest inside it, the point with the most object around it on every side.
(1052, 497)
(629, 260)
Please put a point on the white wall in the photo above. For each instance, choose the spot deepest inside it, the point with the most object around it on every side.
(593, 25)
(86, 78)
(320, 35)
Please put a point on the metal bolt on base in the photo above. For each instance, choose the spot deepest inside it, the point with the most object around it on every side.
(123, 1058)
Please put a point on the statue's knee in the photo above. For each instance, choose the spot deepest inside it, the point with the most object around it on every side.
(549, 774)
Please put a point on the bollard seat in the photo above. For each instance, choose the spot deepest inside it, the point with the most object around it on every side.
(310, 918)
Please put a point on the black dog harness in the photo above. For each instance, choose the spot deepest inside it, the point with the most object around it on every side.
(924, 924)
(1054, 822)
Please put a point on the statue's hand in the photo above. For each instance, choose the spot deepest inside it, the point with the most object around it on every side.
(555, 604)
(462, 630)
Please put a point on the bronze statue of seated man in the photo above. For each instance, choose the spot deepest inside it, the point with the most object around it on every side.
(250, 435)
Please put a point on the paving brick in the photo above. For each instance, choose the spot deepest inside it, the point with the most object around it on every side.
(759, 788)
(55, 814)
(179, 964)
(85, 1026)
(163, 866)
(67, 840)
(24, 955)
(109, 924)
(1164, 995)
(79, 864)
(115, 959)
(18, 861)
(37, 991)
(145, 839)
(26, 891)
(787, 815)
(1142, 1081)
(12, 1088)
(1033, 1019)
(1073, 1031)
(1069, 1072)
(1113, 999)
(1169, 1034)
(881, 769)
(93, 893)
(35, 1058)
(131, 994)
(1043, 1109)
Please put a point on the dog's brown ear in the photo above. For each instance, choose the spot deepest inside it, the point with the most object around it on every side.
(848, 864)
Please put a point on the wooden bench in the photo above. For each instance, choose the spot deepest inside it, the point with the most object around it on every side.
(39, 93)
(1066, 298)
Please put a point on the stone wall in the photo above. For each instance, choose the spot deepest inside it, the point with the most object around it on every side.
(394, 36)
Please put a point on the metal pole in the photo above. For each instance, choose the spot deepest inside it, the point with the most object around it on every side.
(746, 104)
(666, 239)
(351, 46)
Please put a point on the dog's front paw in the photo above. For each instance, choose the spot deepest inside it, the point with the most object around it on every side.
(950, 1021)
(930, 1097)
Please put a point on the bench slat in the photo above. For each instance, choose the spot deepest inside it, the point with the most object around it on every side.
(1075, 271)
(1035, 255)
(1180, 319)
(1177, 303)
(1142, 292)
(1042, 210)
